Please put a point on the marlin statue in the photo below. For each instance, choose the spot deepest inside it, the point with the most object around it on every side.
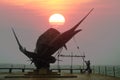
(49, 43)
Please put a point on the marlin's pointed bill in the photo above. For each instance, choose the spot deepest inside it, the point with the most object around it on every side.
(82, 20)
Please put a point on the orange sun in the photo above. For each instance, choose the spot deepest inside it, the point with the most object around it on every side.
(56, 19)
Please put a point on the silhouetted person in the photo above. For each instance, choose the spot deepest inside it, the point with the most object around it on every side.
(88, 66)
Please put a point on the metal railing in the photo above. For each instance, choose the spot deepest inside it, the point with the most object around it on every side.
(104, 70)
(107, 70)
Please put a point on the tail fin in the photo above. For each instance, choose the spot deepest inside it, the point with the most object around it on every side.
(16, 38)
(81, 20)
(27, 53)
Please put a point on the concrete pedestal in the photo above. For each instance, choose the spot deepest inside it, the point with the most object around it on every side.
(42, 71)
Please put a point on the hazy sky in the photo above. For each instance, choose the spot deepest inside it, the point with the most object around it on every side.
(100, 39)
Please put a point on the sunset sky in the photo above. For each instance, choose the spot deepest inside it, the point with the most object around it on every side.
(99, 38)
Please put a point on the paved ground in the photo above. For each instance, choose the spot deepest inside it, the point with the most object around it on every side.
(79, 77)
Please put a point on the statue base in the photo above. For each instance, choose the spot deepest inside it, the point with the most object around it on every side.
(41, 73)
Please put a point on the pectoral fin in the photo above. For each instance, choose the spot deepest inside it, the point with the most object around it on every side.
(65, 47)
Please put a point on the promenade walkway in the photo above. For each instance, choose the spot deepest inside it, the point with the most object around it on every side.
(79, 77)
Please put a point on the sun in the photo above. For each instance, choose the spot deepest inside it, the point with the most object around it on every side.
(57, 19)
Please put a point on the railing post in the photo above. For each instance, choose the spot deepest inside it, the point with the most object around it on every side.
(99, 69)
(93, 69)
(71, 63)
(105, 71)
(71, 71)
(10, 69)
(80, 70)
(114, 71)
(59, 70)
(23, 70)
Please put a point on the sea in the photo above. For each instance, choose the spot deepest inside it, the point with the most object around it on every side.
(108, 70)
